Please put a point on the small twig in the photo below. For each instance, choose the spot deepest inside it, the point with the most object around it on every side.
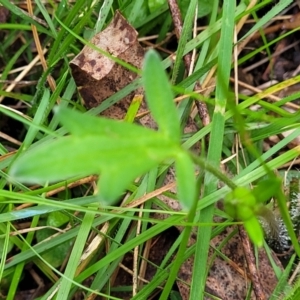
(26, 230)
(144, 262)
(89, 179)
(10, 139)
(259, 293)
(92, 248)
(156, 46)
(289, 24)
(20, 83)
(266, 59)
(131, 273)
(193, 55)
(177, 20)
(153, 194)
(279, 47)
(295, 274)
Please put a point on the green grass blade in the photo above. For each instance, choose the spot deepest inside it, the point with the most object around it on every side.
(184, 37)
(47, 17)
(74, 259)
(103, 13)
(215, 147)
(274, 11)
(38, 120)
(21, 13)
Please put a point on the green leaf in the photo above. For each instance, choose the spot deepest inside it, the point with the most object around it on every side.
(84, 124)
(81, 155)
(159, 96)
(185, 179)
(118, 150)
(155, 4)
(266, 189)
(135, 11)
(57, 219)
(254, 231)
(133, 108)
(58, 254)
(240, 204)
(204, 7)
(117, 177)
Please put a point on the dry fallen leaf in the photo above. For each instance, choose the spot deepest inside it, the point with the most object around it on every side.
(98, 77)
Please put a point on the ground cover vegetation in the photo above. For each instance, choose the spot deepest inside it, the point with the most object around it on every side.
(149, 149)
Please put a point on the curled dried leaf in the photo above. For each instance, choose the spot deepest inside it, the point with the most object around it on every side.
(98, 77)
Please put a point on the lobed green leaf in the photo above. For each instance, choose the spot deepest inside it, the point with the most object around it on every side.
(254, 231)
(120, 151)
(159, 96)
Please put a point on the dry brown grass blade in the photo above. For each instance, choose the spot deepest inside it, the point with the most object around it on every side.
(38, 45)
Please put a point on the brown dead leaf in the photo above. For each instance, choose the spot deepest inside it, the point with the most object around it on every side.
(98, 77)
